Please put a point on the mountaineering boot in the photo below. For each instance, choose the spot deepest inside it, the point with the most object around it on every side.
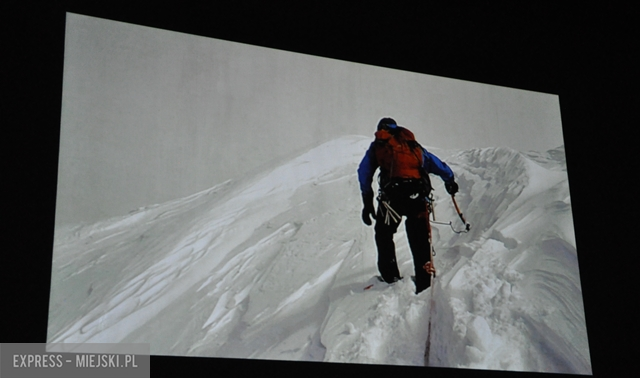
(422, 285)
(391, 281)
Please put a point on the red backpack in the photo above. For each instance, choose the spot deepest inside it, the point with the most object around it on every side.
(398, 154)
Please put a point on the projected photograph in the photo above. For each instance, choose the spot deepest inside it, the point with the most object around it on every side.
(224, 200)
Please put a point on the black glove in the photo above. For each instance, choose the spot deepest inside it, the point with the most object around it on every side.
(451, 186)
(368, 209)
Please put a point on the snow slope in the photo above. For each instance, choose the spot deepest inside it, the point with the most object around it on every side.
(274, 267)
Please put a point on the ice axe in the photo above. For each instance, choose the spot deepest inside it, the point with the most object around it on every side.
(455, 204)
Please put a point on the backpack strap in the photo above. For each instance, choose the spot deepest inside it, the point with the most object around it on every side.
(424, 176)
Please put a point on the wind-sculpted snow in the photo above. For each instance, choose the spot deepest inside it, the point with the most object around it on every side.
(275, 267)
(511, 296)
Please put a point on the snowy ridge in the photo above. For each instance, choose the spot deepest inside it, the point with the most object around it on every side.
(275, 266)
(513, 280)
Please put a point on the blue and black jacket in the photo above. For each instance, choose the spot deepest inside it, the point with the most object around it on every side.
(369, 165)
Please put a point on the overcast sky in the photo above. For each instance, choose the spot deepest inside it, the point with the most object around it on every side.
(150, 115)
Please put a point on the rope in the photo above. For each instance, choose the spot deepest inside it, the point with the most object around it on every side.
(450, 224)
(430, 267)
(431, 208)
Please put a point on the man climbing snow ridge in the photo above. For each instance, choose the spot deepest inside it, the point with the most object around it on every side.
(404, 189)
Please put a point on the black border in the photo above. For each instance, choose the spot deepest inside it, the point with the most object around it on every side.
(582, 53)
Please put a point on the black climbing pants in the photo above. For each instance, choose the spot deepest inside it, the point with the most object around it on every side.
(417, 228)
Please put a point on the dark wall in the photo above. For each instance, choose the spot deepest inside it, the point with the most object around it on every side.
(582, 54)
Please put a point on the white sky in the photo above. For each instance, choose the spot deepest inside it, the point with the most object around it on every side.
(149, 115)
